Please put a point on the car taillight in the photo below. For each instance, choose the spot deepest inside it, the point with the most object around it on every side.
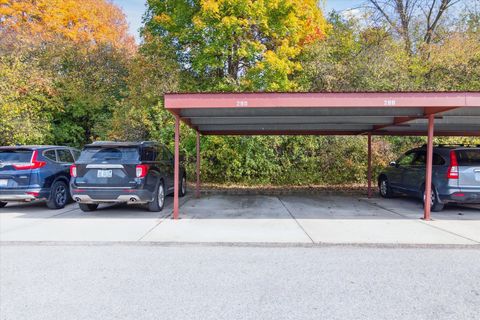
(33, 164)
(453, 168)
(141, 170)
(73, 170)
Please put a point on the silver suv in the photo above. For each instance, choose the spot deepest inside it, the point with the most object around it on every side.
(455, 175)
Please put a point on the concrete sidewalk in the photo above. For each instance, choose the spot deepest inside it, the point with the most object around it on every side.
(252, 219)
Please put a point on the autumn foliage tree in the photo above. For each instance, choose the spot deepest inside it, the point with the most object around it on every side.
(87, 21)
(69, 53)
(237, 44)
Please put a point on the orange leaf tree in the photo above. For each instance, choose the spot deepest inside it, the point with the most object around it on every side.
(86, 21)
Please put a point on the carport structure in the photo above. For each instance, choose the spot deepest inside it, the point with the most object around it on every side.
(365, 113)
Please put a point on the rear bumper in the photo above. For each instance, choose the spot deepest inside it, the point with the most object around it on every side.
(86, 195)
(25, 195)
(461, 197)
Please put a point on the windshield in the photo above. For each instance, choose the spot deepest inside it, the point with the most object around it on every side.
(109, 154)
(9, 156)
(468, 157)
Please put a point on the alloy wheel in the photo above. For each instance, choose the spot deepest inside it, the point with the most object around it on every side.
(161, 195)
(61, 195)
(184, 185)
(432, 198)
(383, 187)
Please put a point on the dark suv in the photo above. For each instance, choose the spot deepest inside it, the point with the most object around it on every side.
(455, 175)
(29, 173)
(124, 172)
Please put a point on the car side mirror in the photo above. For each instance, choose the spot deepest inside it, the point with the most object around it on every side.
(393, 164)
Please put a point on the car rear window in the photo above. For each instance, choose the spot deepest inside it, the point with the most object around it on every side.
(468, 157)
(15, 155)
(109, 154)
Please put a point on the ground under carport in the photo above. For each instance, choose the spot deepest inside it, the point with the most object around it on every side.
(258, 219)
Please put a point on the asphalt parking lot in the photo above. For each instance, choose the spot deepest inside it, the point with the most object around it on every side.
(220, 218)
(224, 282)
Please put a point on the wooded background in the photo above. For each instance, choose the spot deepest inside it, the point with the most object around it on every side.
(70, 73)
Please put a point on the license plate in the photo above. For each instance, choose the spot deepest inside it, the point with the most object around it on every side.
(104, 173)
(477, 176)
(3, 182)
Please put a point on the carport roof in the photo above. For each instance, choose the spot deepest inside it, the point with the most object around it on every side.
(395, 113)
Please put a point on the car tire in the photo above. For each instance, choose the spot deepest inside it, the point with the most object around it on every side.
(158, 199)
(87, 207)
(2, 204)
(435, 204)
(58, 195)
(384, 188)
(182, 186)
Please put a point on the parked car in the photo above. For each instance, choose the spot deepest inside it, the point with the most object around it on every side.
(455, 175)
(124, 172)
(29, 173)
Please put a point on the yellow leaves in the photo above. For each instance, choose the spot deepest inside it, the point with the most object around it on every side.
(198, 22)
(86, 21)
(241, 44)
(163, 19)
(229, 21)
(210, 6)
(280, 63)
(455, 50)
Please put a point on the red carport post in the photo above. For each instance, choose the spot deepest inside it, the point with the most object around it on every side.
(369, 174)
(428, 174)
(197, 186)
(176, 175)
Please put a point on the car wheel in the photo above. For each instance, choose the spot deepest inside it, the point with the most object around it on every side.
(183, 186)
(435, 204)
(384, 188)
(158, 199)
(87, 207)
(2, 204)
(58, 195)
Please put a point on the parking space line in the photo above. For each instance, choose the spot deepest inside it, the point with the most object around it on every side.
(375, 204)
(295, 219)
